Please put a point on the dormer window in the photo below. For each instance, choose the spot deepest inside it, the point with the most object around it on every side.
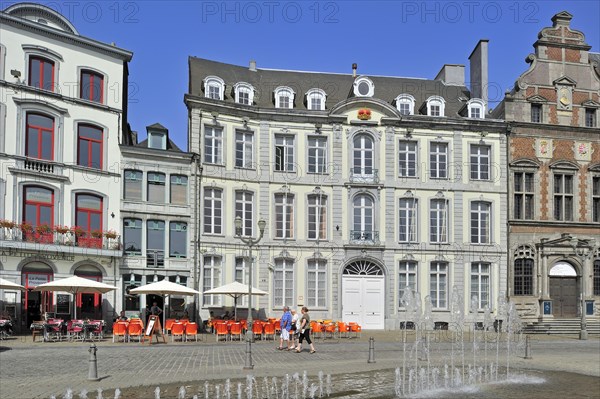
(315, 99)
(157, 140)
(435, 106)
(476, 108)
(364, 87)
(244, 93)
(284, 97)
(214, 87)
(405, 103)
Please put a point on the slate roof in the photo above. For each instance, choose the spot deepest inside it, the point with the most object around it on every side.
(338, 87)
(595, 57)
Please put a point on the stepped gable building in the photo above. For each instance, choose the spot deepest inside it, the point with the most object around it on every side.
(368, 184)
(554, 186)
(62, 111)
(157, 216)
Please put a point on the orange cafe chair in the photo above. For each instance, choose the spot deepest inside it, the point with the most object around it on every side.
(177, 329)
(191, 329)
(119, 330)
(317, 330)
(236, 329)
(221, 331)
(135, 330)
(168, 324)
(331, 329)
(343, 328)
(355, 329)
(269, 330)
(257, 329)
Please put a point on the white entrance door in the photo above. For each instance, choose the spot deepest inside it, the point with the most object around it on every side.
(363, 297)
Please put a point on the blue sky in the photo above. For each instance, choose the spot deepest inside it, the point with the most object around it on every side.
(396, 38)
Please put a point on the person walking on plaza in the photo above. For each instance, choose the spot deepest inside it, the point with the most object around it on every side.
(294, 330)
(305, 331)
(286, 325)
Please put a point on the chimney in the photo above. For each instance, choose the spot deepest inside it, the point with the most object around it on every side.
(354, 67)
(479, 71)
(252, 65)
(452, 74)
(134, 138)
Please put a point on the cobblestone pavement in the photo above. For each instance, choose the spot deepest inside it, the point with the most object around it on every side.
(37, 370)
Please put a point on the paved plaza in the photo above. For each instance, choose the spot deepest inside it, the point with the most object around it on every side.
(37, 369)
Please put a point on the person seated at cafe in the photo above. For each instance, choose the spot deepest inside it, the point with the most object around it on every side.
(226, 316)
(208, 323)
(122, 316)
(185, 316)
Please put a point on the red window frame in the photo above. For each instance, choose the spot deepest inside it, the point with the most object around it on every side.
(37, 205)
(42, 61)
(88, 211)
(82, 85)
(46, 296)
(41, 130)
(97, 297)
(88, 141)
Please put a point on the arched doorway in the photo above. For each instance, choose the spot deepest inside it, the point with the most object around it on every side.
(35, 303)
(563, 290)
(89, 306)
(363, 294)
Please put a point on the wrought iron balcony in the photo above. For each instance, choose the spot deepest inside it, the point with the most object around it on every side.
(10, 231)
(366, 237)
(364, 175)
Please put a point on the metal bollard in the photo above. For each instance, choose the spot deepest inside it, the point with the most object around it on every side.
(371, 350)
(93, 364)
(527, 348)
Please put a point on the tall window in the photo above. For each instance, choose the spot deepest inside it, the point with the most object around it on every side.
(407, 158)
(284, 153)
(242, 264)
(156, 187)
(596, 284)
(438, 160)
(590, 117)
(408, 220)
(213, 145)
(363, 218)
(244, 210)
(480, 162)
(178, 189)
(438, 284)
(211, 272)
(283, 283)
(244, 149)
(316, 295)
(41, 73)
(480, 283)
(133, 184)
(363, 155)
(523, 276)
(407, 278)
(317, 217)
(438, 221)
(480, 222)
(178, 239)
(317, 155)
(155, 243)
(92, 86)
(284, 216)
(39, 140)
(536, 113)
(89, 146)
(596, 198)
(213, 210)
(39, 206)
(563, 196)
(88, 214)
(523, 195)
(132, 236)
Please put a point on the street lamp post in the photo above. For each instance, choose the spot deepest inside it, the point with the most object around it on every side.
(250, 242)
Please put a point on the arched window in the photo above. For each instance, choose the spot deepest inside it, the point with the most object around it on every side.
(41, 73)
(363, 214)
(436, 106)
(405, 103)
(214, 87)
(284, 97)
(244, 93)
(88, 213)
(476, 108)
(89, 146)
(39, 137)
(38, 206)
(91, 86)
(363, 268)
(363, 154)
(315, 99)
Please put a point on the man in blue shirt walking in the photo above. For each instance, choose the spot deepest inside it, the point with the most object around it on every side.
(286, 325)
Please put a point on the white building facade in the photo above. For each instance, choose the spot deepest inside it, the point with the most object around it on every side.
(62, 111)
(368, 185)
